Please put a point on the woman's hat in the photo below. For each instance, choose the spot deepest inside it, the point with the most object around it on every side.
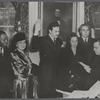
(19, 36)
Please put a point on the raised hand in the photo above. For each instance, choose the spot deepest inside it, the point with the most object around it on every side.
(37, 27)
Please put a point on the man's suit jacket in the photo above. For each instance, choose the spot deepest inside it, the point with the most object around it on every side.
(86, 50)
(95, 72)
(49, 53)
(6, 75)
(5, 64)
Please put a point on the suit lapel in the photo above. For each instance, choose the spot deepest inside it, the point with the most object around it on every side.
(51, 43)
(58, 46)
(55, 48)
(89, 41)
(82, 41)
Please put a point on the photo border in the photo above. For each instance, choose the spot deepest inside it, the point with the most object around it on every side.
(48, 1)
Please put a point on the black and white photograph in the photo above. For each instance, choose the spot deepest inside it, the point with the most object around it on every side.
(49, 49)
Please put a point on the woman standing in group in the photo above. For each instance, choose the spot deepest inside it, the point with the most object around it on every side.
(21, 63)
(72, 74)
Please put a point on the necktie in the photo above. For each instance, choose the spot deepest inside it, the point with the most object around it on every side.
(55, 41)
(86, 41)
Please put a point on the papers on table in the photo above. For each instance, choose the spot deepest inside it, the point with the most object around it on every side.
(93, 92)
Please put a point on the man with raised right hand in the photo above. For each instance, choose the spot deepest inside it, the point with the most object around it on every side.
(49, 47)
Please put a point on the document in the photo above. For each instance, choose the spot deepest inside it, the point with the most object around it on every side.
(93, 92)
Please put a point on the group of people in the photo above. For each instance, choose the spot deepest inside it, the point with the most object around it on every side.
(73, 67)
(69, 68)
(15, 64)
(76, 60)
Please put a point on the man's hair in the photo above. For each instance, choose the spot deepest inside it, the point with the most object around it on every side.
(97, 40)
(82, 25)
(53, 24)
(2, 32)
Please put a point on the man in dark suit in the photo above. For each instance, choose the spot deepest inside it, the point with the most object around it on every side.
(94, 69)
(6, 72)
(85, 44)
(49, 47)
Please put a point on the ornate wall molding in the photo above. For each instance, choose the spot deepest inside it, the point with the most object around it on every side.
(21, 17)
(90, 8)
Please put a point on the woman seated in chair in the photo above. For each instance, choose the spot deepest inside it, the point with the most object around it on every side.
(22, 64)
